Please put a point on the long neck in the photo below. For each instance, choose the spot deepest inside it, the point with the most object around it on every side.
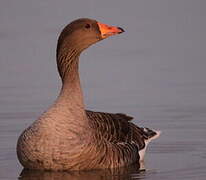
(71, 94)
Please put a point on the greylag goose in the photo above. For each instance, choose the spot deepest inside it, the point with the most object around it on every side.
(68, 137)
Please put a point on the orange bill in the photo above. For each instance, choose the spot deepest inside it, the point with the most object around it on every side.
(107, 31)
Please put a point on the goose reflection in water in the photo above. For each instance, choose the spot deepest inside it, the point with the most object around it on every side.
(106, 174)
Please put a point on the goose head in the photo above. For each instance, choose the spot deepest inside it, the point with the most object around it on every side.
(82, 33)
(77, 36)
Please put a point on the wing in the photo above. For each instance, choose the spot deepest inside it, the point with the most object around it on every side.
(117, 128)
(117, 140)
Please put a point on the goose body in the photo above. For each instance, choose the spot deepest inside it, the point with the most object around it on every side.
(68, 137)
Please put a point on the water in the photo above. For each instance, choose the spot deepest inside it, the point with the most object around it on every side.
(155, 71)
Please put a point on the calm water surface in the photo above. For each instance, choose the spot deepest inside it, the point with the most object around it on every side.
(155, 71)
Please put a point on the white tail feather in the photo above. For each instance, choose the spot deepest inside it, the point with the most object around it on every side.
(142, 151)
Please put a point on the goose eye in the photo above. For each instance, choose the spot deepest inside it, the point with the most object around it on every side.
(87, 26)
